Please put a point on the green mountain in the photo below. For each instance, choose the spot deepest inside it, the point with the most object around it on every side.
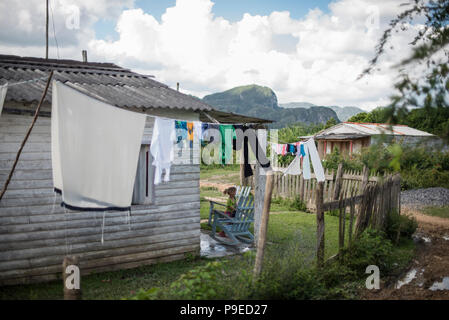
(258, 101)
(343, 113)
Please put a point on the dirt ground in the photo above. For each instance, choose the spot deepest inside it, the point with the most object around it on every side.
(430, 267)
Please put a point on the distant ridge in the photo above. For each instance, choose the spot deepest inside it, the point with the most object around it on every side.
(343, 113)
(258, 101)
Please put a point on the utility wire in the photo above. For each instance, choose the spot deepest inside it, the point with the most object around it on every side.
(54, 32)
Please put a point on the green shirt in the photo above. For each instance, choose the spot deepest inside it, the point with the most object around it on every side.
(231, 205)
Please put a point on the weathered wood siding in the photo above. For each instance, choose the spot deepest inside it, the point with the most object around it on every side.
(36, 232)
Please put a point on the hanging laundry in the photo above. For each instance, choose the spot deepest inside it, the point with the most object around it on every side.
(227, 137)
(294, 168)
(316, 162)
(162, 148)
(197, 130)
(306, 163)
(284, 149)
(181, 130)
(190, 133)
(95, 150)
(3, 90)
(302, 150)
(291, 148)
(255, 146)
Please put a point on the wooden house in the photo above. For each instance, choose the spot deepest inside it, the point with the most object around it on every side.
(351, 137)
(36, 232)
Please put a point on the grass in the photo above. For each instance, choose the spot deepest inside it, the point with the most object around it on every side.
(221, 174)
(442, 212)
(291, 235)
(106, 285)
(283, 228)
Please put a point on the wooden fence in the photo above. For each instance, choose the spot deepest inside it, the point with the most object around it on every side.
(338, 182)
(370, 209)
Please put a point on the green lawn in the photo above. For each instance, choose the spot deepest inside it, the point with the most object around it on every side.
(221, 174)
(283, 228)
(442, 212)
(291, 234)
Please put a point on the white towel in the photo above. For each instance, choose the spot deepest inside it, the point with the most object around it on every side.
(316, 162)
(294, 168)
(162, 147)
(3, 90)
(306, 163)
(95, 150)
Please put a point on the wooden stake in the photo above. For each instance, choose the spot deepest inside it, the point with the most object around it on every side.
(338, 181)
(36, 115)
(73, 272)
(261, 241)
(320, 224)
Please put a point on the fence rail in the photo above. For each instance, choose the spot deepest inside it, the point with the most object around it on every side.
(337, 182)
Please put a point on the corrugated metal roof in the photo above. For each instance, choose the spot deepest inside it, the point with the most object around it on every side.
(372, 129)
(105, 81)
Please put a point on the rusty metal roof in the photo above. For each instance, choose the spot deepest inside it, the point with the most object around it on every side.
(106, 81)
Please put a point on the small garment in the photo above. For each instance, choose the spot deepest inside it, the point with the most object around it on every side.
(3, 90)
(284, 149)
(190, 133)
(95, 150)
(302, 150)
(277, 148)
(181, 130)
(316, 162)
(292, 148)
(162, 148)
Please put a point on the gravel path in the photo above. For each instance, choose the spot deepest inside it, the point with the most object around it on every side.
(425, 197)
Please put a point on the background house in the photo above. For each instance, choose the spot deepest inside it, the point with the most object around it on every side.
(36, 233)
(351, 137)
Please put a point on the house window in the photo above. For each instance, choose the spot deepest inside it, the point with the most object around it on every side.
(144, 184)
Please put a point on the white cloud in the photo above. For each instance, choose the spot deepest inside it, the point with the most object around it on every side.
(22, 25)
(208, 54)
(315, 59)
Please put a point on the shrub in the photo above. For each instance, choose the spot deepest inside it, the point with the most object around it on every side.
(370, 248)
(402, 224)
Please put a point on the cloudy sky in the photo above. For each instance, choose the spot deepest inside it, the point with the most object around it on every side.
(309, 51)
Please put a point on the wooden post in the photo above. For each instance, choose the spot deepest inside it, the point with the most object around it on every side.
(261, 241)
(259, 193)
(352, 213)
(365, 178)
(338, 182)
(320, 224)
(71, 278)
(36, 115)
(341, 224)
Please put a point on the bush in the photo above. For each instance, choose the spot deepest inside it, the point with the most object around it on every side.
(419, 166)
(295, 204)
(402, 224)
(370, 248)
